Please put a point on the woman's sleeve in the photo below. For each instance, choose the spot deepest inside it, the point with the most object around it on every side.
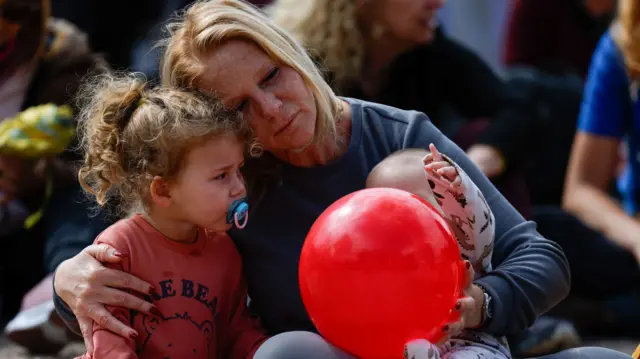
(531, 273)
(605, 103)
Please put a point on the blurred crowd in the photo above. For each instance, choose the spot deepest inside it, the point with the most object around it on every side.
(527, 128)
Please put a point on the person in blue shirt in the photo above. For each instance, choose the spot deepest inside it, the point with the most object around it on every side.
(605, 252)
(610, 121)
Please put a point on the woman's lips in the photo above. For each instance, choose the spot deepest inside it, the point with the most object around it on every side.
(287, 125)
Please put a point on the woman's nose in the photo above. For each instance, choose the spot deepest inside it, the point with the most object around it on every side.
(270, 105)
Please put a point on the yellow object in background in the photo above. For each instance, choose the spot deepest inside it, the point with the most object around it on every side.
(39, 131)
(636, 354)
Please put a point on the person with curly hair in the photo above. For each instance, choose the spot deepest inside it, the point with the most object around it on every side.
(396, 53)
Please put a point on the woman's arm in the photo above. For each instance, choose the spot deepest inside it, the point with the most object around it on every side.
(531, 273)
(604, 111)
(591, 168)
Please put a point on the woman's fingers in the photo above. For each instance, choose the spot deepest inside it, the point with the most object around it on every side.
(104, 253)
(119, 298)
(463, 305)
(86, 328)
(105, 319)
(119, 279)
(469, 275)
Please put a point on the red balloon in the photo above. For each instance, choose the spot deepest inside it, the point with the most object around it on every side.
(379, 268)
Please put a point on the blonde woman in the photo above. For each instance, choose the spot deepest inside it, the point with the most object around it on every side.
(609, 118)
(315, 148)
(394, 52)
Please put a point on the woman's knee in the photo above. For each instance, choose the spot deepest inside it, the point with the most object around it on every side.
(299, 345)
(588, 353)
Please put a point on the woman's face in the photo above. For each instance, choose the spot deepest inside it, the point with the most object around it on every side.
(274, 99)
(411, 21)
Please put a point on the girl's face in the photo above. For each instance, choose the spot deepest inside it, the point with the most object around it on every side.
(209, 182)
(279, 106)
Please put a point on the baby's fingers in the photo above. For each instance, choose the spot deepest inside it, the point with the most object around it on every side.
(435, 166)
(457, 182)
(436, 154)
(421, 349)
(427, 159)
(454, 328)
(448, 172)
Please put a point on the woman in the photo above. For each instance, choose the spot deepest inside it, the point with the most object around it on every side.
(608, 115)
(395, 53)
(317, 148)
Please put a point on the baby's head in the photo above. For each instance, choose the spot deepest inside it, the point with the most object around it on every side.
(404, 170)
(161, 149)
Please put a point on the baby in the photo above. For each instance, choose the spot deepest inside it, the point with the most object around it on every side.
(439, 181)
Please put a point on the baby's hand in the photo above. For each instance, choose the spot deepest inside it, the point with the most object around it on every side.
(437, 166)
(421, 349)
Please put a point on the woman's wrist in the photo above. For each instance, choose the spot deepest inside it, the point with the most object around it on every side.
(483, 306)
(481, 301)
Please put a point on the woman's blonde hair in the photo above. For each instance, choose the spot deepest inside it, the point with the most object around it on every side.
(130, 134)
(626, 34)
(207, 24)
(329, 30)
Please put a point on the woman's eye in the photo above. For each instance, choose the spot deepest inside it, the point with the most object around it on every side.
(272, 74)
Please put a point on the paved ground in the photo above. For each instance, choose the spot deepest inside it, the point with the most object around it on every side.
(8, 351)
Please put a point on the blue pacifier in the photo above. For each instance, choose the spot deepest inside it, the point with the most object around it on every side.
(238, 213)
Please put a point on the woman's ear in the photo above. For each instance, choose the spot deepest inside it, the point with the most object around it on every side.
(160, 192)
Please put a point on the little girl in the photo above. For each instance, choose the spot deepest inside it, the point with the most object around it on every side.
(438, 180)
(172, 161)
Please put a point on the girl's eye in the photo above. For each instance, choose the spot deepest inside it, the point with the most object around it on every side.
(220, 177)
(241, 106)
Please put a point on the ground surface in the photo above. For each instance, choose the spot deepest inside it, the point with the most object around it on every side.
(8, 351)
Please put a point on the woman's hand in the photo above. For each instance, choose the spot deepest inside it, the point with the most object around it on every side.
(87, 286)
(487, 158)
(470, 307)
